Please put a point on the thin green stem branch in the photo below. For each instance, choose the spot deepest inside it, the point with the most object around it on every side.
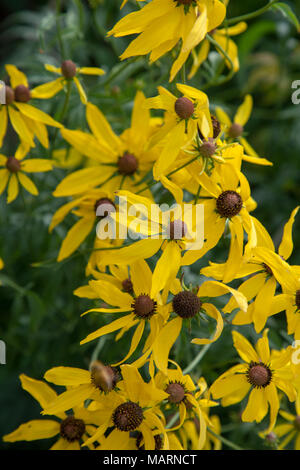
(225, 441)
(59, 31)
(249, 16)
(197, 359)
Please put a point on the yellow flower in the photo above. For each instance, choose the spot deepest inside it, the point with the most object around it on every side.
(88, 208)
(134, 408)
(69, 72)
(162, 24)
(290, 430)
(182, 395)
(15, 169)
(221, 36)
(71, 429)
(261, 373)
(27, 121)
(135, 297)
(184, 116)
(121, 161)
(81, 385)
(235, 129)
(187, 305)
(173, 231)
(229, 194)
(262, 284)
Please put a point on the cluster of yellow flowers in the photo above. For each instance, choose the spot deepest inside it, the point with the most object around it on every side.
(197, 157)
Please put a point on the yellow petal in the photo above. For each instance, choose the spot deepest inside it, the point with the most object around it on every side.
(67, 376)
(91, 71)
(47, 90)
(214, 313)
(244, 111)
(75, 236)
(113, 326)
(3, 123)
(33, 430)
(37, 114)
(37, 165)
(20, 126)
(13, 188)
(257, 406)
(165, 341)
(244, 348)
(40, 391)
(80, 90)
(286, 246)
(28, 184)
(166, 268)
(16, 76)
(67, 400)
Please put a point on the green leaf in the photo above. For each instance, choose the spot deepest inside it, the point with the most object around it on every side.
(288, 13)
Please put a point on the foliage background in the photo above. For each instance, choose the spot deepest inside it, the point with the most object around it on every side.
(39, 315)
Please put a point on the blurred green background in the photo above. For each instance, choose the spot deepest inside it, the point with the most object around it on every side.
(39, 315)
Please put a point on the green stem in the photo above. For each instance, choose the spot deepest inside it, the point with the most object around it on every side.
(63, 112)
(169, 174)
(249, 16)
(197, 359)
(183, 74)
(59, 32)
(225, 441)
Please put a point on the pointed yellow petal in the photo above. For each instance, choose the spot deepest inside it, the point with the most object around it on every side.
(244, 111)
(28, 184)
(47, 90)
(33, 430)
(286, 246)
(67, 376)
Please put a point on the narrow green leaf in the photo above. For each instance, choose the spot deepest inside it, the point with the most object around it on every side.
(288, 13)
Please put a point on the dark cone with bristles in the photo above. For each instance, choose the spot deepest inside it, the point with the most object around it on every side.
(128, 416)
(229, 204)
(127, 164)
(184, 108)
(176, 392)
(68, 69)
(186, 304)
(259, 375)
(13, 164)
(143, 306)
(208, 148)
(22, 94)
(177, 229)
(72, 429)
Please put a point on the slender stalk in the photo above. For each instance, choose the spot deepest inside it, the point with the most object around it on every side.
(249, 16)
(169, 174)
(59, 32)
(63, 112)
(225, 441)
(197, 359)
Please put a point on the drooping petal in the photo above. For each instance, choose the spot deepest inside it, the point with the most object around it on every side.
(75, 236)
(111, 327)
(47, 90)
(286, 246)
(33, 430)
(67, 376)
(28, 184)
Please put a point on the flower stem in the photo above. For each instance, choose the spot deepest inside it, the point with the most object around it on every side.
(59, 32)
(197, 359)
(249, 16)
(225, 441)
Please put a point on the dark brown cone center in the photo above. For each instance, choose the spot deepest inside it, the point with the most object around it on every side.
(127, 164)
(259, 375)
(128, 416)
(176, 392)
(22, 94)
(144, 306)
(72, 429)
(208, 148)
(184, 2)
(184, 108)
(127, 285)
(236, 130)
(186, 304)
(229, 204)
(68, 69)
(13, 165)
